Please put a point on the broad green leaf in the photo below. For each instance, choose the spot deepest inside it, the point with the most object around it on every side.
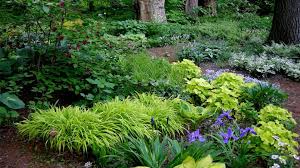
(46, 9)
(205, 162)
(11, 101)
(217, 165)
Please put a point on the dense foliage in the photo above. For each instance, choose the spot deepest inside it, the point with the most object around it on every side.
(91, 86)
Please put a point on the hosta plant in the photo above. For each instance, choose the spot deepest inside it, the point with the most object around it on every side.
(206, 162)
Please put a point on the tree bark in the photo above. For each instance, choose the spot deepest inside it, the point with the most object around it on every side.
(190, 5)
(152, 10)
(286, 22)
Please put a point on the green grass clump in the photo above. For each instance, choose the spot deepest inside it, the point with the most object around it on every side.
(106, 124)
(130, 116)
(70, 128)
(144, 68)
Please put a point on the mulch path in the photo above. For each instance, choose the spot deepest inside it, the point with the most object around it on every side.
(17, 153)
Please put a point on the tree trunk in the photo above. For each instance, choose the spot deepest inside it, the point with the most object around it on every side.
(151, 10)
(190, 5)
(91, 5)
(286, 22)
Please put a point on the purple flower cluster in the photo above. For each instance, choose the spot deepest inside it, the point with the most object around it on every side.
(219, 121)
(230, 135)
(244, 132)
(212, 74)
(193, 136)
(249, 79)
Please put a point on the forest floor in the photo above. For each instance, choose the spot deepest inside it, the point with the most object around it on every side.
(17, 153)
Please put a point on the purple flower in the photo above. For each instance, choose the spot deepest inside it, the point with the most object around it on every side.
(193, 136)
(219, 121)
(211, 74)
(227, 136)
(244, 132)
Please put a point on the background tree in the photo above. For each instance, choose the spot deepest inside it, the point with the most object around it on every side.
(286, 22)
(190, 6)
(151, 10)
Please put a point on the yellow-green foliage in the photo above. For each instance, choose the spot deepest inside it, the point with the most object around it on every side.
(206, 162)
(70, 128)
(200, 87)
(221, 93)
(273, 113)
(231, 81)
(129, 115)
(275, 137)
(187, 111)
(106, 124)
(183, 71)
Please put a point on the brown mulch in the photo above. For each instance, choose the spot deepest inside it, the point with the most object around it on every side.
(17, 153)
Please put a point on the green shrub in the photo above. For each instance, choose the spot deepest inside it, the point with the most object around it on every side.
(8, 104)
(274, 137)
(130, 116)
(274, 113)
(263, 94)
(221, 94)
(153, 154)
(206, 162)
(184, 70)
(281, 50)
(163, 116)
(199, 87)
(70, 128)
(264, 64)
(246, 114)
(227, 89)
(201, 52)
(144, 68)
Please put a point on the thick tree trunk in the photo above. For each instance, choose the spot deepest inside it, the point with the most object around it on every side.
(190, 6)
(152, 10)
(286, 22)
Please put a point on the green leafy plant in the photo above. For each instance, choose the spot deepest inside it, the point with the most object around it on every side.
(227, 89)
(10, 104)
(200, 52)
(246, 113)
(206, 162)
(186, 69)
(274, 113)
(261, 95)
(152, 154)
(274, 137)
(199, 87)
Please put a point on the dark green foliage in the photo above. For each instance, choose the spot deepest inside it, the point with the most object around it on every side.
(8, 104)
(263, 94)
(199, 52)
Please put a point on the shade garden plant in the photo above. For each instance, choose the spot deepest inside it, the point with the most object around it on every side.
(134, 127)
(78, 78)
